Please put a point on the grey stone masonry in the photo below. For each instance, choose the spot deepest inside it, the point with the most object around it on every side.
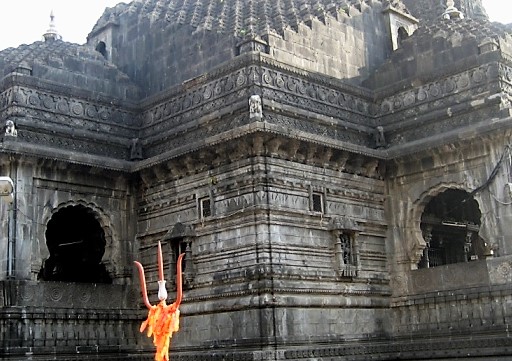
(337, 174)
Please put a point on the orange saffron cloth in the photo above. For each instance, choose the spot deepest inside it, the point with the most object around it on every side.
(163, 320)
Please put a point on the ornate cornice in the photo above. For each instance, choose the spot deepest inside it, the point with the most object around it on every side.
(45, 152)
(304, 106)
(62, 104)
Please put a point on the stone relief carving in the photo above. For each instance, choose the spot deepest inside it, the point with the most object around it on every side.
(255, 107)
(346, 250)
(431, 97)
(78, 295)
(135, 149)
(307, 88)
(294, 90)
(73, 107)
(436, 126)
(10, 129)
(189, 137)
(380, 139)
(433, 90)
(85, 146)
(306, 125)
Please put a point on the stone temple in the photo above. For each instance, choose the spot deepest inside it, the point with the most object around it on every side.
(337, 172)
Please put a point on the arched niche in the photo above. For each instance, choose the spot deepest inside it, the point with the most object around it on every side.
(79, 246)
(179, 240)
(450, 222)
(101, 48)
(402, 34)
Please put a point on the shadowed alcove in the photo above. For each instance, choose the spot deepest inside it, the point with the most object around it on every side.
(76, 243)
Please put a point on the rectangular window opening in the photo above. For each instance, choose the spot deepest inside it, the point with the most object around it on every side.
(178, 247)
(205, 206)
(318, 202)
(347, 247)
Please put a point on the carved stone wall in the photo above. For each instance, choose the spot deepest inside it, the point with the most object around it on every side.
(42, 187)
(437, 307)
(309, 37)
(68, 318)
(431, 10)
(299, 216)
(264, 262)
(438, 107)
(415, 180)
(55, 122)
(341, 113)
(319, 45)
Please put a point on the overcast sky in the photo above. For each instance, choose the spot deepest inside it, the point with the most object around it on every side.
(24, 21)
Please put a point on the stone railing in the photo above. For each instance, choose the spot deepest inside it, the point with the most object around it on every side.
(48, 318)
(455, 303)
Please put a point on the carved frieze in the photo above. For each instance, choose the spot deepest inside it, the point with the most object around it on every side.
(311, 127)
(55, 120)
(180, 112)
(202, 98)
(180, 139)
(438, 126)
(474, 80)
(83, 146)
(172, 123)
(307, 94)
(304, 93)
(40, 119)
(77, 295)
(505, 75)
(296, 90)
(392, 350)
(67, 106)
(437, 107)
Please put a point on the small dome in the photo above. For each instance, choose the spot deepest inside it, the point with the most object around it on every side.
(69, 65)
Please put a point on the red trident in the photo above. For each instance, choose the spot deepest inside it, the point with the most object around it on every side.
(163, 320)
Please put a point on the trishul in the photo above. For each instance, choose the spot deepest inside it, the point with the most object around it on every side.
(162, 291)
(163, 319)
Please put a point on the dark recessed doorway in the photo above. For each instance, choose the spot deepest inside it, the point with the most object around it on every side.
(76, 242)
(450, 225)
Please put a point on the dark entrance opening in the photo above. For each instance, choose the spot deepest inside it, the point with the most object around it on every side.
(76, 243)
(102, 49)
(450, 225)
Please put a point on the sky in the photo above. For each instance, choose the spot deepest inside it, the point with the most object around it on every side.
(25, 21)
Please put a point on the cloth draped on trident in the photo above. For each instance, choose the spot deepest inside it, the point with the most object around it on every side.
(163, 320)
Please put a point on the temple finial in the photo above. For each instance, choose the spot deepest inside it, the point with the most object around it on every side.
(451, 11)
(52, 33)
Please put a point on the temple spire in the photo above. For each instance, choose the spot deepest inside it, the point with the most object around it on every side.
(451, 11)
(52, 33)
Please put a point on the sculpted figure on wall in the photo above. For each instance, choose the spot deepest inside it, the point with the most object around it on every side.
(135, 149)
(255, 108)
(10, 129)
(380, 139)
